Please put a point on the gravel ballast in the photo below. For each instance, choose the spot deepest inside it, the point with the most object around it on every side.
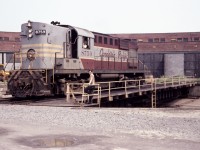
(116, 128)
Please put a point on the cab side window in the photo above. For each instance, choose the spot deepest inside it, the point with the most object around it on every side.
(86, 42)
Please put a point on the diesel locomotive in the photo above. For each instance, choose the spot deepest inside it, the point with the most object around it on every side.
(54, 54)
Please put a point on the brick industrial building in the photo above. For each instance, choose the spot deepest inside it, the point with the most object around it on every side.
(165, 42)
(148, 43)
(9, 43)
(158, 51)
(169, 53)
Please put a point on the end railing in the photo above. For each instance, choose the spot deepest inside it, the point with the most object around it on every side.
(109, 89)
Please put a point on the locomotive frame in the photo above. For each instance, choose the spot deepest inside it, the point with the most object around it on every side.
(54, 54)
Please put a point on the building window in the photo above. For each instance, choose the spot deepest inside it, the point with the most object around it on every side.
(185, 39)
(162, 39)
(100, 39)
(6, 38)
(86, 42)
(10, 58)
(179, 39)
(105, 40)
(95, 39)
(173, 40)
(116, 42)
(196, 39)
(111, 41)
(17, 39)
(156, 40)
(140, 40)
(134, 40)
(150, 40)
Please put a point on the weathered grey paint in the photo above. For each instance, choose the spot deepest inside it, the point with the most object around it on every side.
(53, 41)
(45, 45)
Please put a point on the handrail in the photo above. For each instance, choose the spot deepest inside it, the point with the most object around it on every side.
(70, 90)
(125, 85)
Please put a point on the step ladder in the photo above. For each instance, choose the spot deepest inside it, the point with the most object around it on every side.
(153, 99)
(153, 96)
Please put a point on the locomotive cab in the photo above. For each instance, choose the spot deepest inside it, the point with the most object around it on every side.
(78, 50)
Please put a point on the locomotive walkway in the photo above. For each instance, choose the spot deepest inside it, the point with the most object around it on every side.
(114, 90)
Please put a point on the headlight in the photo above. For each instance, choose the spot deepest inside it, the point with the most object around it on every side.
(31, 54)
(30, 33)
(30, 30)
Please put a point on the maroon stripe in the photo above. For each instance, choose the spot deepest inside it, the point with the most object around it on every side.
(104, 65)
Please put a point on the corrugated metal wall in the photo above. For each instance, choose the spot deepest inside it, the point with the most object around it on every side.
(174, 64)
(155, 63)
(192, 64)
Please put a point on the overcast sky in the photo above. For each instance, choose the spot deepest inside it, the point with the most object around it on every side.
(105, 16)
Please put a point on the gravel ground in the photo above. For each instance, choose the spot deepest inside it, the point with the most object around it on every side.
(100, 128)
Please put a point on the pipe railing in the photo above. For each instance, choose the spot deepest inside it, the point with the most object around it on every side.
(127, 85)
(75, 89)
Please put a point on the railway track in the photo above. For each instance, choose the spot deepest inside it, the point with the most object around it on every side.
(61, 102)
(42, 101)
(28, 101)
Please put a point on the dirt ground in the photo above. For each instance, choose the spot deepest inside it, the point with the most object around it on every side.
(21, 137)
(186, 103)
(37, 127)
